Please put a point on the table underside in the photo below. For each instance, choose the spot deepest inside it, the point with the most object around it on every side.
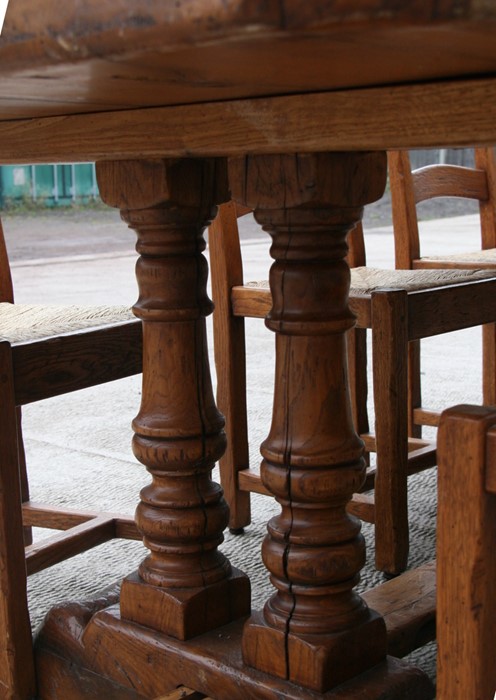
(173, 79)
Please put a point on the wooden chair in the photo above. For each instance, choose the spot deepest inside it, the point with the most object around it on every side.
(409, 189)
(466, 565)
(45, 352)
(398, 306)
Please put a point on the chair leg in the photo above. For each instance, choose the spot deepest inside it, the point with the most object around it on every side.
(231, 401)
(390, 367)
(414, 387)
(17, 676)
(466, 565)
(489, 364)
(357, 369)
(230, 362)
(23, 474)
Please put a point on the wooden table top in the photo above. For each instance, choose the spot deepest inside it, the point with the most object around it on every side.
(86, 80)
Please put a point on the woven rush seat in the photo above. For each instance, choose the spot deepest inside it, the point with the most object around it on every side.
(478, 257)
(366, 280)
(21, 323)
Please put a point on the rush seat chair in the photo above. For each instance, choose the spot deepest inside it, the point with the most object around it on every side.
(410, 188)
(45, 352)
(399, 306)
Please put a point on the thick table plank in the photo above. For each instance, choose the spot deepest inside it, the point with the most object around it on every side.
(95, 56)
(451, 113)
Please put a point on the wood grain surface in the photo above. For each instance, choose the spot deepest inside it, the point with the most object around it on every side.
(91, 57)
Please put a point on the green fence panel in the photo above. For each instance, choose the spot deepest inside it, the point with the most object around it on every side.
(15, 182)
(85, 182)
(43, 180)
(51, 185)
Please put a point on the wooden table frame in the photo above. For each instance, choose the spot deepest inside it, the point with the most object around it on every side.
(307, 163)
(406, 116)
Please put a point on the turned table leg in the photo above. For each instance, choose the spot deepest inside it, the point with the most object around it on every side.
(315, 630)
(185, 586)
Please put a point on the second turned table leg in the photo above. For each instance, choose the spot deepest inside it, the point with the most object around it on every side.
(315, 630)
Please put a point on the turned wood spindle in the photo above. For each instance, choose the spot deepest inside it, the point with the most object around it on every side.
(185, 585)
(315, 630)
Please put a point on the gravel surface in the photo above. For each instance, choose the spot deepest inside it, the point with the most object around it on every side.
(68, 232)
(379, 213)
(65, 232)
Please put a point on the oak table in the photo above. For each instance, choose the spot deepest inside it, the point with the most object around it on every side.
(288, 107)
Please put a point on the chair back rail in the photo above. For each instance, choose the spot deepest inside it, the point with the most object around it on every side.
(408, 188)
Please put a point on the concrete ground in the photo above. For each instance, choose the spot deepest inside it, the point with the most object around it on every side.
(78, 446)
